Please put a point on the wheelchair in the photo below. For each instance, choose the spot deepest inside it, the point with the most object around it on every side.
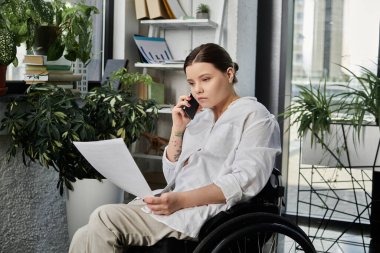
(252, 226)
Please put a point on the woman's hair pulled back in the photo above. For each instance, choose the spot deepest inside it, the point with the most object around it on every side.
(214, 54)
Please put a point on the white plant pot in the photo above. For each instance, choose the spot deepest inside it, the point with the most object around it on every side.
(89, 194)
(201, 15)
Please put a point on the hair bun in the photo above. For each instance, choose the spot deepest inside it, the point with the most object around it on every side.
(236, 66)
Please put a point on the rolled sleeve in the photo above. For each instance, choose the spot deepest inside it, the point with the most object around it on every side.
(230, 188)
(253, 163)
(168, 167)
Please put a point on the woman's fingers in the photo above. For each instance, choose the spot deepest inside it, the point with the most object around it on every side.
(163, 205)
(183, 101)
(158, 208)
(162, 209)
(178, 114)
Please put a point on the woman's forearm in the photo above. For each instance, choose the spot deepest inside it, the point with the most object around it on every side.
(174, 149)
(170, 202)
(210, 194)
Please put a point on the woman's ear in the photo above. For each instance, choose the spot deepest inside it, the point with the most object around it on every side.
(230, 74)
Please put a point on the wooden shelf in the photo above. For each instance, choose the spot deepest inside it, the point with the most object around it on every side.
(145, 156)
(166, 109)
(181, 23)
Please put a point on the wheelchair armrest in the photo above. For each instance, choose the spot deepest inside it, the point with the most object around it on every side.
(235, 211)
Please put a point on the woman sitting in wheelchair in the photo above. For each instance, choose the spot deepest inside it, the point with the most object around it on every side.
(222, 156)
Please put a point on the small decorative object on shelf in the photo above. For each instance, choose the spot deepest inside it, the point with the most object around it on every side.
(156, 144)
(79, 68)
(203, 11)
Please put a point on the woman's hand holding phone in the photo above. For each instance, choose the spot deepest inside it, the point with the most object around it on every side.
(179, 115)
(193, 108)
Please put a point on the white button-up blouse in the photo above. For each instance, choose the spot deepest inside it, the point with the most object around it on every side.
(236, 153)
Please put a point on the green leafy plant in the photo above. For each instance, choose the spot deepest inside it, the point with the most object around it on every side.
(313, 110)
(129, 81)
(44, 124)
(74, 31)
(362, 100)
(18, 21)
(203, 8)
(8, 48)
(77, 31)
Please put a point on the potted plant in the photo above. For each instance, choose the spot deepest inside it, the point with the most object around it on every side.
(45, 122)
(67, 32)
(7, 55)
(47, 32)
(341, 130)
(139, 84)
(314, 110)
(18, 19)
(129, 81)
(203, 11)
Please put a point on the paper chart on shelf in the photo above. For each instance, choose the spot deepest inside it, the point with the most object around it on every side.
(114, 161)
(154, 50)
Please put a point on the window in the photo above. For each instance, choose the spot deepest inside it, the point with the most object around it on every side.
(328, 34)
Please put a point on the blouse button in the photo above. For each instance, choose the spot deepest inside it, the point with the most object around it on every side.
(199, 149)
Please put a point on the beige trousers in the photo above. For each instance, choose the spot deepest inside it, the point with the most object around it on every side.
(113, 227)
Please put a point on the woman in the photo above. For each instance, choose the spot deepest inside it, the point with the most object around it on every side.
(223, 156)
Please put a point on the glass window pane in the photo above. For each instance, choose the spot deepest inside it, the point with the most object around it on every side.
(328, 34)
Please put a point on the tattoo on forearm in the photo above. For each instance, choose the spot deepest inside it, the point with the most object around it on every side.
(177, 144)
(178, 134)
(177, 154)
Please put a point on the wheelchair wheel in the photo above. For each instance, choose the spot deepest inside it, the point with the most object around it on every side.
(256, 232)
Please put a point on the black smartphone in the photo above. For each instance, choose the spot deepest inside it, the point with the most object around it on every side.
(190, 111)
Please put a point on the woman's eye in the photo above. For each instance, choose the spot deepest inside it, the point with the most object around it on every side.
(205, 79)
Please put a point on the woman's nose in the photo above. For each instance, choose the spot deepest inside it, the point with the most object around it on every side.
(197, 88)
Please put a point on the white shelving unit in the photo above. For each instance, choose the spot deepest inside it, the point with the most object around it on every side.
(156, 29)
(166, 109)
(180, 23)
(162, 66)
(156, 26)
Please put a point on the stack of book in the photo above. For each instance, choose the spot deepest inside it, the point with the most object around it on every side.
(39, 70)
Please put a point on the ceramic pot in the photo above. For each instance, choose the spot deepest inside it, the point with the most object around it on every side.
(89, 194)
(45, 36)
(201, 15)
(3, 86)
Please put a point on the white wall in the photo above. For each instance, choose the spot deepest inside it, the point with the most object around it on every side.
(125, 26)
(246, 46)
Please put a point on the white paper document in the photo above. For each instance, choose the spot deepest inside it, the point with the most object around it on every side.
(114, 161)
